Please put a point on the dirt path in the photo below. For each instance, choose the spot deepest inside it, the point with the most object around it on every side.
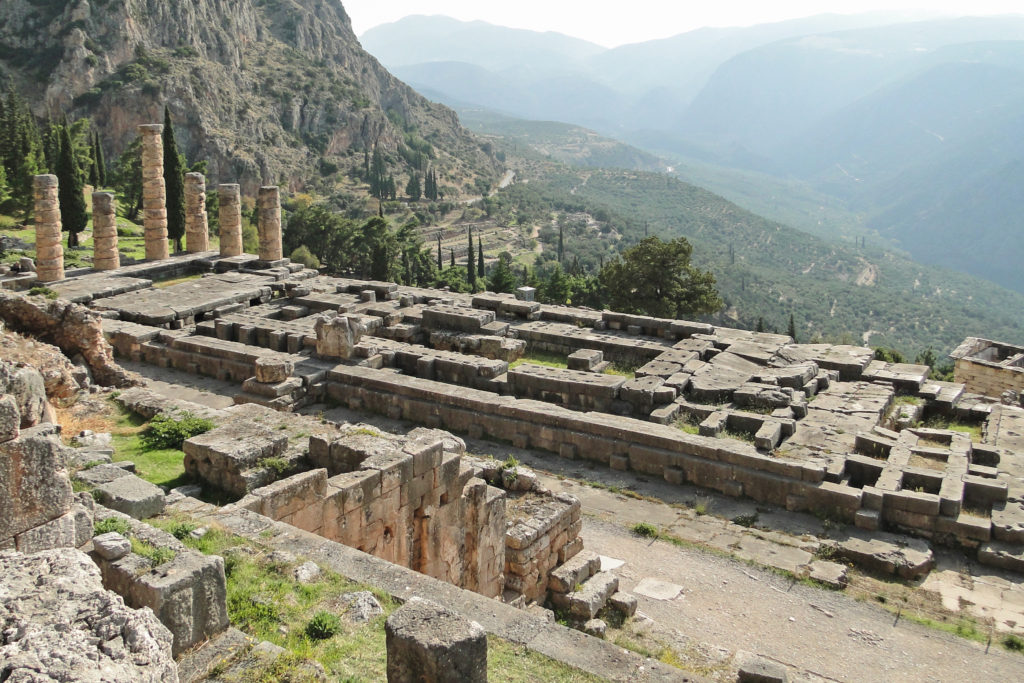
(820, 634)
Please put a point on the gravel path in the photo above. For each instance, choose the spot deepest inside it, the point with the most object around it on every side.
(820, 634)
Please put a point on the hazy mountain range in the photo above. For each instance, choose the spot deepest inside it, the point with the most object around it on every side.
(910, 130)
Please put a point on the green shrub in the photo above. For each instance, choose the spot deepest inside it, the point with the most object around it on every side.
(304, 256)
(323, 625)
(645, 529)
(181, 530)
(1013, 643)
(105, 526)
(169, 432)
(40, 290)
(278, 465)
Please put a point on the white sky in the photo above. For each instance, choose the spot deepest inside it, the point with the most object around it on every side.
(632, 21)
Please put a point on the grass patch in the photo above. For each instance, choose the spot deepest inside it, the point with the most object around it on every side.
(908, 401)
(111, 525)
(688, 425)
(163, 284)
(545, 358)
(156, 556)
(622, 370)
(267, 603)
(511, 663)
(940, 422)
(277, 464)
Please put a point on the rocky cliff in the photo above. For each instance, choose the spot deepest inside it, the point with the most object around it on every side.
(268, 91)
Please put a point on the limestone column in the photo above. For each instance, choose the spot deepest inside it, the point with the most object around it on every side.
(197, 234)
(269, 225)
(154, 194)
(49, 251)
(230, 218)
(104, 232)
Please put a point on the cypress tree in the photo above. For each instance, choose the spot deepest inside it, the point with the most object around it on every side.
(101, 163)
(561, 243)
(440, 264)
(480, 258)
(791, 330)
(94, 170)
(174, 182)
(73, 215)
(760, 325)
(470, 265)
(451, 254)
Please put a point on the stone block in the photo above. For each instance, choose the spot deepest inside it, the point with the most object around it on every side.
(574, 571)
(595, 627)
(624, 603)
(111, 546)
(428, 643)
(10, 418)
(101, 474)
(272, 370)
(133, 496)
(755, 669)
(188, 594)
(586, 603)
(67, 531)
(34, 486)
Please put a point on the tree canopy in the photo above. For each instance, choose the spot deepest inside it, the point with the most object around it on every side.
(655, 278)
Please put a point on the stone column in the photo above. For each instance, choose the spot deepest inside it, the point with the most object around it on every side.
(49, 251)
(154, 194)
(230, 217)
(197, 234)
(269, 225)
(104, 232)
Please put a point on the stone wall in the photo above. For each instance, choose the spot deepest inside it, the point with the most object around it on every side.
(988, 379)
(726, 465)
(414, 504)
(543, 532)
(38, 509)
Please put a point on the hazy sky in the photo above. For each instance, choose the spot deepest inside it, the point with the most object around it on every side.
(633, 21)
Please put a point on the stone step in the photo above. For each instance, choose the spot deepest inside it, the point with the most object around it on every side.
(197, 664)
(575, 571)
(586, 603)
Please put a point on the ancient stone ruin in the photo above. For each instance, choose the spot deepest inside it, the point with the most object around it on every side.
(819, 428)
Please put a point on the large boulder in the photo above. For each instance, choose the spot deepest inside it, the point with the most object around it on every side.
(59, 624)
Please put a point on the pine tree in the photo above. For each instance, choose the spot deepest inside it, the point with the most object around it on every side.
(791, 330)
(73, 214)
(470, 265)
(503, 280)
(174, 183)
(480, 258)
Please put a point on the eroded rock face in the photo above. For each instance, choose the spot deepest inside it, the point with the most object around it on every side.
(73, 328)
(59, 624)
(25, 385)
